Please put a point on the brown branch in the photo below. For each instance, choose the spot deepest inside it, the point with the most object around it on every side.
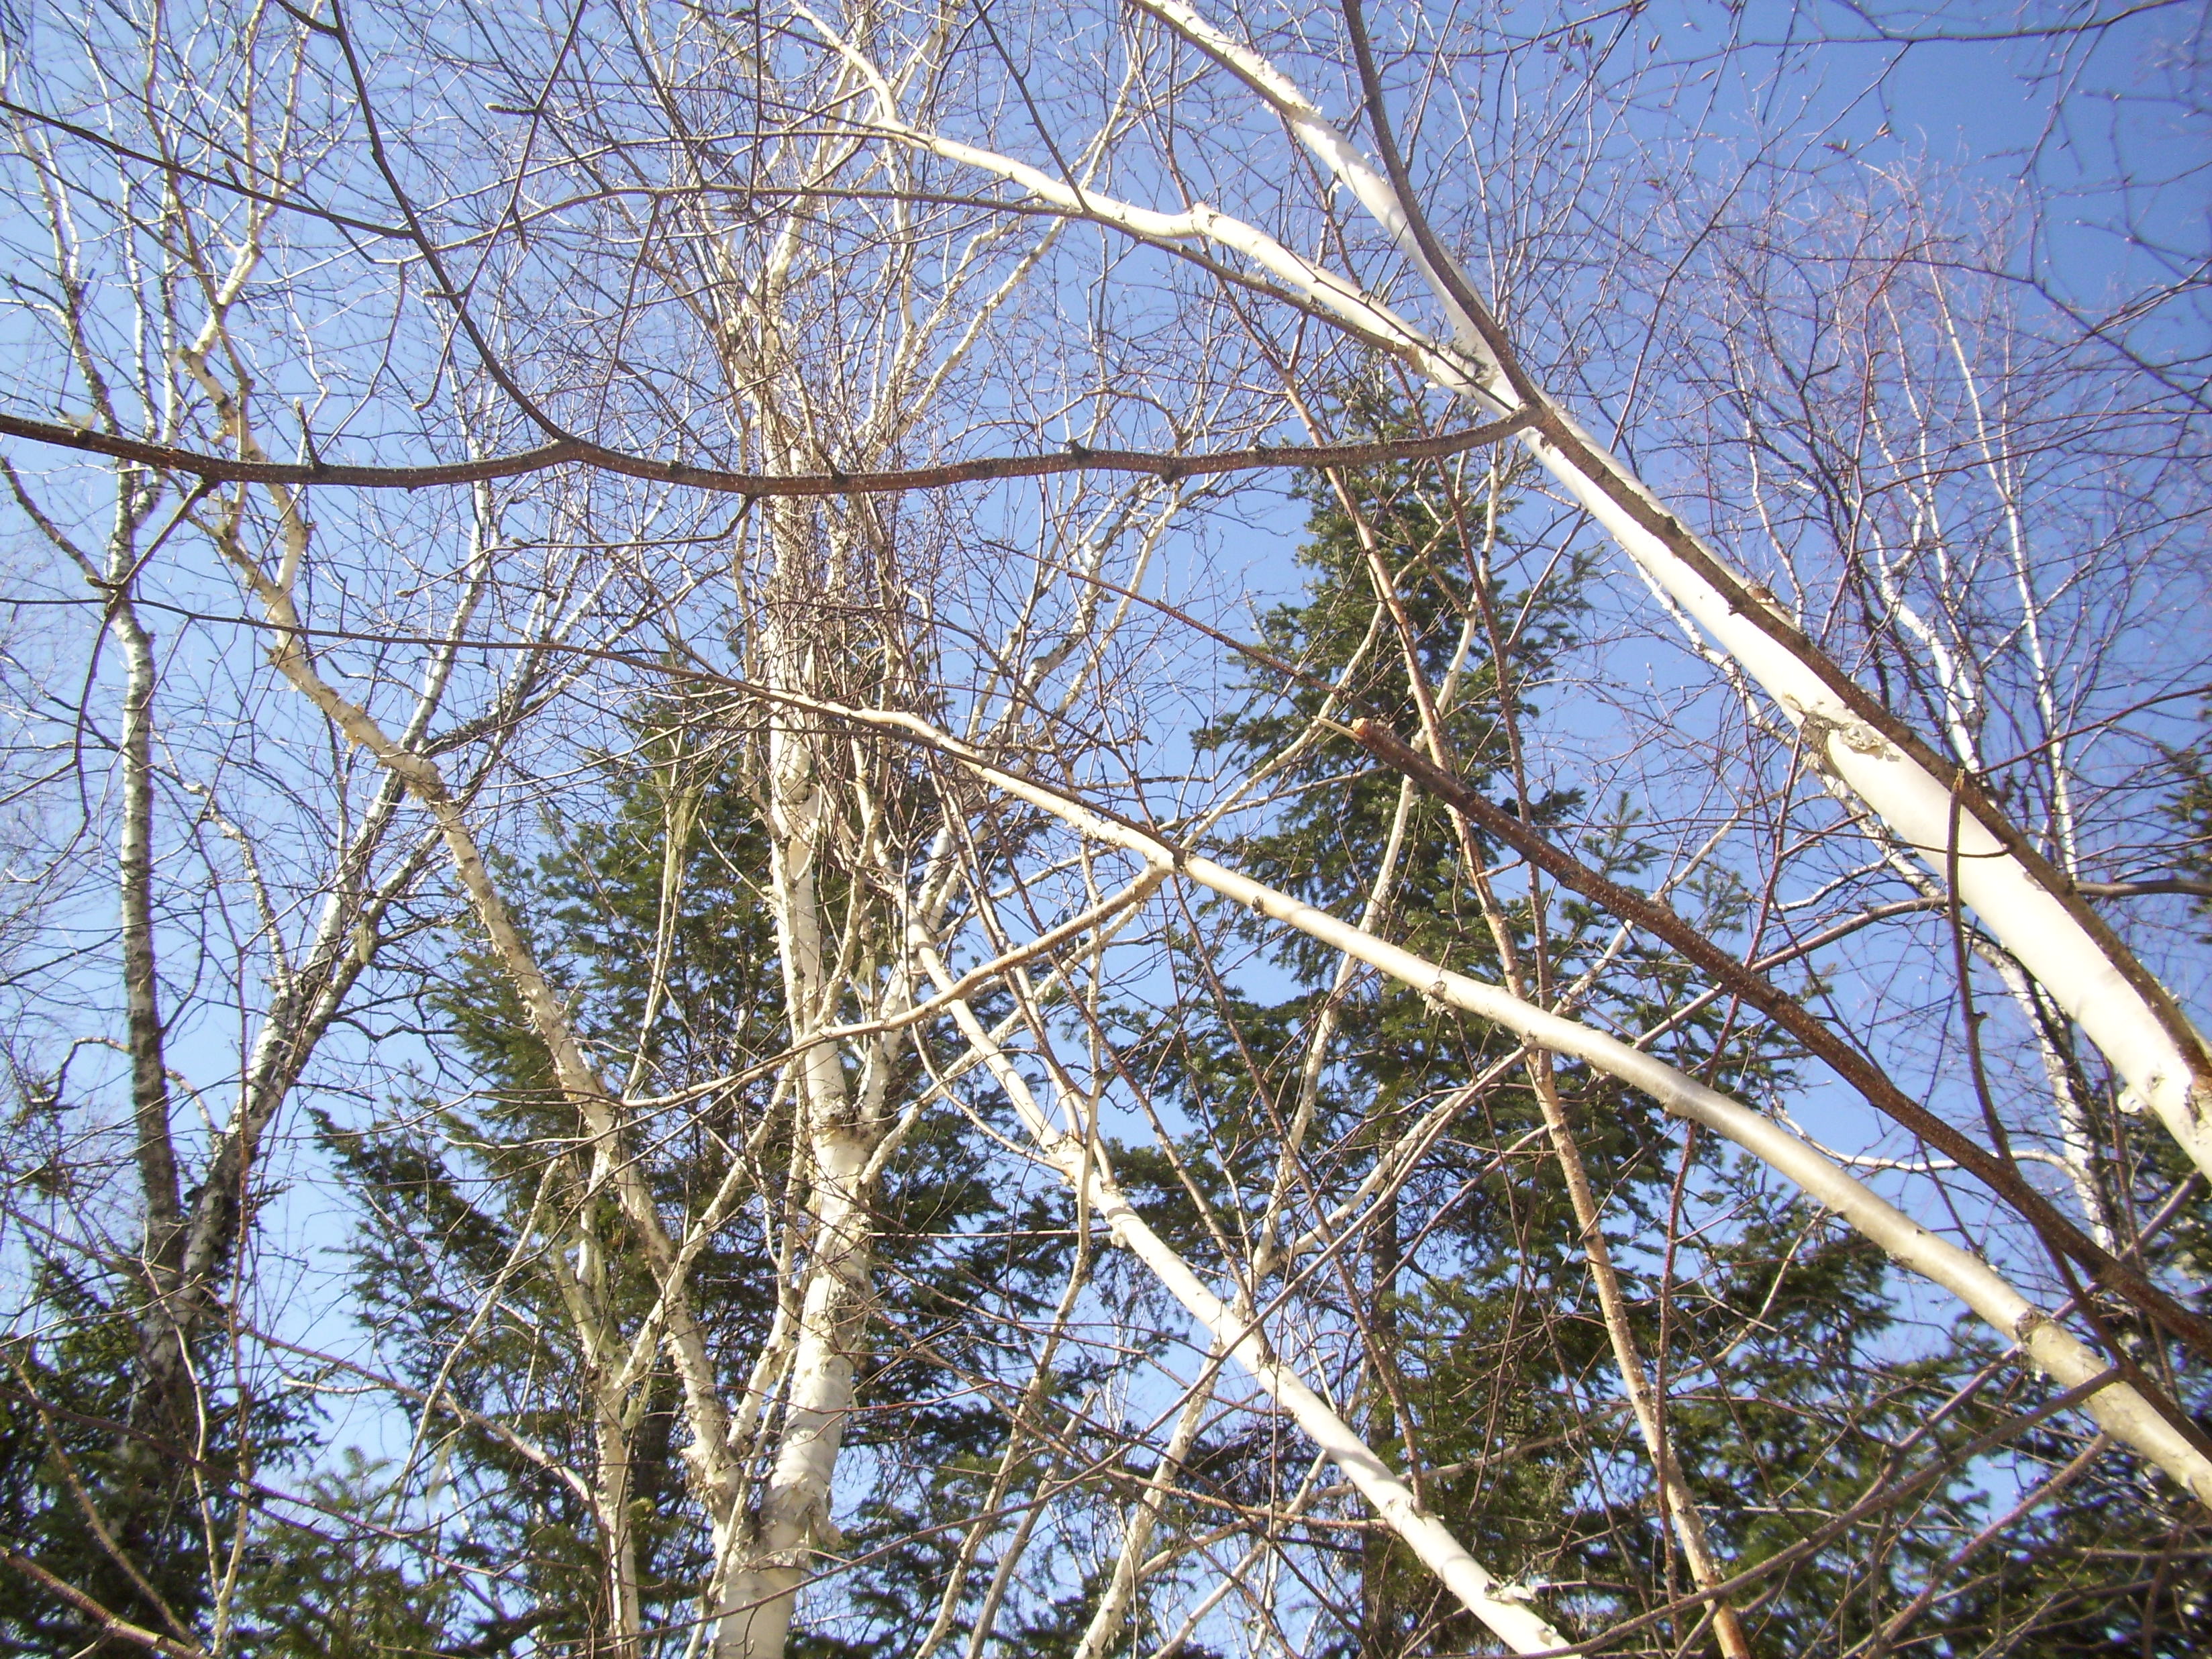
(109, 1624)
(574, 452)
(2188, 884)
(1663, 922)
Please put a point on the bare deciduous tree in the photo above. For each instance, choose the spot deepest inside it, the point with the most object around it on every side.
(854, 1023)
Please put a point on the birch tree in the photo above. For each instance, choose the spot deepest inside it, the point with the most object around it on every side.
(916, 1059)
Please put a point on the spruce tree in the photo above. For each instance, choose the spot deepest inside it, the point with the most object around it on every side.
(1484, 1359)
(448, 1189)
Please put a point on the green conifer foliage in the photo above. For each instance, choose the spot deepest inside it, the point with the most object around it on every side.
(136, 1508)
(465, 1196)
(1482, 1358)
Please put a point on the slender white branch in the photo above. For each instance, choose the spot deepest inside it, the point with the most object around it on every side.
(2123, 1412)
(1496, 1603)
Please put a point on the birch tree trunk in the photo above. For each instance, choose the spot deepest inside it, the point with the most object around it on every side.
(164, 1403)
(839, 1136)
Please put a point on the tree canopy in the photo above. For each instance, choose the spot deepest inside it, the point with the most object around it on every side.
(973, 829)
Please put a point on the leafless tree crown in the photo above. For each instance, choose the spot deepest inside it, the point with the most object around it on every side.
(971, 830)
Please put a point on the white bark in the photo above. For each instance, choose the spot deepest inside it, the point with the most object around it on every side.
(2122, 1412)
(161, 1211)
(1497, 1604)
(2027, 918)
(838, 1136)
(755, 1617)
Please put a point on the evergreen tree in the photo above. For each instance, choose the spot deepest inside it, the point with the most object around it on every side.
(138, 1509)
(1484, 1357)
(455, 1193)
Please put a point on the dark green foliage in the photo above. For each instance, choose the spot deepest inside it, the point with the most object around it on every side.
(74, 1446)
(449, 1189)
(343, 1587)
(2192, 812)
(1485, 1357)
(63, 1432)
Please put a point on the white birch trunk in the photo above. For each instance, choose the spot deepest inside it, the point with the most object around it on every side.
(159, 1399)
(2031, 921)
(2124, 1412)
(754, 1617)
(839, 1133)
